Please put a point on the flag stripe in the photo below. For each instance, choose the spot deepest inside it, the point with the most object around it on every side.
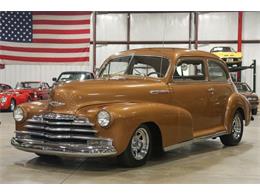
(41, 59)
(61, 13)
(43, 45)
(61, 41)
(13, 62)
(61, 36)
(61, 22)
(44, 54)
(45, 50)
(57, 17)
(51, 31)
(62, 27)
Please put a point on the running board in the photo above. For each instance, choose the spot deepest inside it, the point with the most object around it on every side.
(198, 139)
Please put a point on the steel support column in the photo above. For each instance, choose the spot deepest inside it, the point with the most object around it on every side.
(94, 27)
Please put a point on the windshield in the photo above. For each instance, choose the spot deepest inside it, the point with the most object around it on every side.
(223, 49)
(1, 88)
(74, 76)
(28, 85)
(243, 87)
(145, 66)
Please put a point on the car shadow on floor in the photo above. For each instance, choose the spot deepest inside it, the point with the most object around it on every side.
(201, 154)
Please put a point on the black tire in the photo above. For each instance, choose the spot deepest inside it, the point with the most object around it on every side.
(254, 111)
(12, 105)
(236, 134)
(127, 158)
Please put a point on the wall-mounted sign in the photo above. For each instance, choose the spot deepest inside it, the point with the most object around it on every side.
(2, 66)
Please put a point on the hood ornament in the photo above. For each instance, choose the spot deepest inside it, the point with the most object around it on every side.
(56, 103)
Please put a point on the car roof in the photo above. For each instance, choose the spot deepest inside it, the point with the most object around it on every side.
(173, 52)
(76, 72)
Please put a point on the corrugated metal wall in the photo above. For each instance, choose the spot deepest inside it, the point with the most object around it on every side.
(154, 27)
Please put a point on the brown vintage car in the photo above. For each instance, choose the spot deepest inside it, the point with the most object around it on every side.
(252, 97)
(145, 101)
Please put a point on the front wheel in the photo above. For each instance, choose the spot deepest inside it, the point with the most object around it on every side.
(236, 134)
(138, 149)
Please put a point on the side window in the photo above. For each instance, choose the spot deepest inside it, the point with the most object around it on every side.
(143, 69)
(189, 69)
(216, 72)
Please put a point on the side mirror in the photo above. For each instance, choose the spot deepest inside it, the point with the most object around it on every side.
(54, 79)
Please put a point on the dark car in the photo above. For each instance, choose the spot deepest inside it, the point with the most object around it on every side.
(245, 90)
(73, 76)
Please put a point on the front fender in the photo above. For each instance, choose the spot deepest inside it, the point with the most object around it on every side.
(175, 123)
(237, 101)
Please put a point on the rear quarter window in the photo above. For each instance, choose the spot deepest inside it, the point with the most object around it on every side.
(216, 71)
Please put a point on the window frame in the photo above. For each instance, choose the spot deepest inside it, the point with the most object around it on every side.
(201, 58)
(222, 65)
(102, 68)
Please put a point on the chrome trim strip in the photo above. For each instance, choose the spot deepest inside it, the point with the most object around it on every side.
(58, 149)
(158, 91)
(59, 129)
(52, 136)
(60, 123)
(172, 147)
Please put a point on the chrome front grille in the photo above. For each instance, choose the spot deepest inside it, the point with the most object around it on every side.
(59, 127)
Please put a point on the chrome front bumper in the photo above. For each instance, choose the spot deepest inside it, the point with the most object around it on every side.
(65, 149)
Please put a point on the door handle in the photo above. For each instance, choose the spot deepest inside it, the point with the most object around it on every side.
(211, 90)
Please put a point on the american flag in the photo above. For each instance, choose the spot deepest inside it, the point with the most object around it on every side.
(44, 38)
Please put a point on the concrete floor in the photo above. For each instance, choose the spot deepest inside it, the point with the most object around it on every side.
(203, 162)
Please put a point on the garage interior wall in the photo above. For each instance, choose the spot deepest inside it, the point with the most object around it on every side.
(214, 28)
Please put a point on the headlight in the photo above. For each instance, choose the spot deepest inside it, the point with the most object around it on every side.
(103, 118)
(3, 99)
(18, 114)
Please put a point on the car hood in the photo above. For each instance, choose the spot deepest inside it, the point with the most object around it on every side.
(71, 96)
(13, 91)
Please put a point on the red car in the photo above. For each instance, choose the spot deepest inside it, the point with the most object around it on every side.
(23, 92)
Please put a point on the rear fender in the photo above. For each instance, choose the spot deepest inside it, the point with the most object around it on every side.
(235, 102)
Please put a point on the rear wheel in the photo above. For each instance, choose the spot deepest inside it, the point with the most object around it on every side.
(12, 105)
(254, 111)
(236, 134)
(138, 149)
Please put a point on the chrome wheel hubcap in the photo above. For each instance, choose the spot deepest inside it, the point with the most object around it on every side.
(236, 127)
(140, 144)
